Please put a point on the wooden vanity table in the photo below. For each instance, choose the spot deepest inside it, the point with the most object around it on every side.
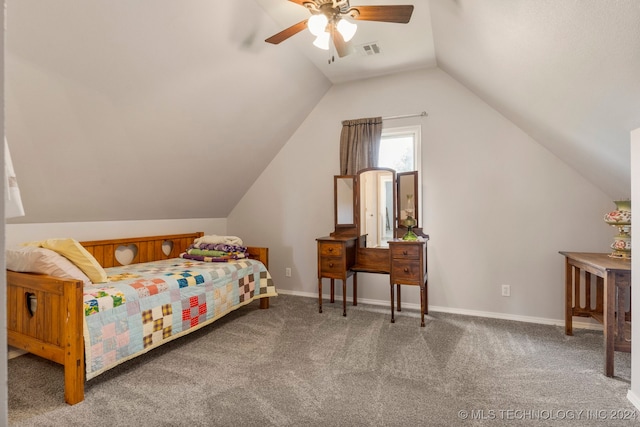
(369, 226)
(336, 258)
(409, 267)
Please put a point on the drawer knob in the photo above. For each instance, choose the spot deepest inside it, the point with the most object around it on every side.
(406, 270)
(330, 249)
(331, 264)
(405, 253)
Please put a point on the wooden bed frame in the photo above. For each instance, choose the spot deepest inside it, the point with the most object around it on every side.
(55, 330)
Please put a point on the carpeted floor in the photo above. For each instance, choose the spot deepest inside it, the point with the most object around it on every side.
(291, 366)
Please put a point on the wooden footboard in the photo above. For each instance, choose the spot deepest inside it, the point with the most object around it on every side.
(53, 327)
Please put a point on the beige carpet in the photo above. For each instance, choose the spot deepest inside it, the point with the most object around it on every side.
(291, 366)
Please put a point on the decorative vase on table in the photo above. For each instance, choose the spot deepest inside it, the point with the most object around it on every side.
(410, 221)
(621, 219)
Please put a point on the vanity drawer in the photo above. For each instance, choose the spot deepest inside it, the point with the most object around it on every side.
(405, 251)
(330, 249)
(332, 267)
(407, 271)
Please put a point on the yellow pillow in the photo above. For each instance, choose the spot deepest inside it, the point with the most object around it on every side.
(74, 252)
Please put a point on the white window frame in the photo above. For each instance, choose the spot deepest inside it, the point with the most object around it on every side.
(417, 146)
(416, 131)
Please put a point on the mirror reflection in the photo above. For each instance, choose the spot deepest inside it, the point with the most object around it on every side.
(377, 207)
(345, 198)
(407, 198)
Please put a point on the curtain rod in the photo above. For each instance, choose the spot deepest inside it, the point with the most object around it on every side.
(406, 116)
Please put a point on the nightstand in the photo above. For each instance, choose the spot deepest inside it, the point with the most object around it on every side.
(336, 256)
(408, 260)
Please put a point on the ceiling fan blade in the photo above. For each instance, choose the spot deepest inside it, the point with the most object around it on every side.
(399, 14)
(338, 41)
(300, 2)
(288, 32)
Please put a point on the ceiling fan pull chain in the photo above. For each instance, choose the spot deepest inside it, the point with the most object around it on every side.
(332, 51)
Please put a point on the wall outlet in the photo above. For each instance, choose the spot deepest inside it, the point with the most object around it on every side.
(506, 290)
(287, 272)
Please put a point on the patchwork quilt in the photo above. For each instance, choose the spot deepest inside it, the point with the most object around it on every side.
(145, 305)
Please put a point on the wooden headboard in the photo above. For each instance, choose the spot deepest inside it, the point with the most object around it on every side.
(150, 248)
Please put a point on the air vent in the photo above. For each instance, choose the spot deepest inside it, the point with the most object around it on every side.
(369, 49)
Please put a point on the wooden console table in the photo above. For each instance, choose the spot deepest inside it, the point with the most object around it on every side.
(611, 280)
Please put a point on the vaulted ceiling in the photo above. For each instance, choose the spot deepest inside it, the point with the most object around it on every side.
(107, 101)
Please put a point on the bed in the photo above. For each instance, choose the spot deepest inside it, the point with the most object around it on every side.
(157, 297)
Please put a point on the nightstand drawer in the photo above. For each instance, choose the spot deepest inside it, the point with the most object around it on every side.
(332, 267)
(406, 271)
(330, 249)
(406, 251)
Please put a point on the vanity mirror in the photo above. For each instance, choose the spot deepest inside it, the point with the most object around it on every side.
(376, 206)
(408, 202)
(345, 201)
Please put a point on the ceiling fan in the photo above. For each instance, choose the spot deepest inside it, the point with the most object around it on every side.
(331, 21)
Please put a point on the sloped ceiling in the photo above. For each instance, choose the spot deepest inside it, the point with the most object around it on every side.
(566, 71)
(115, 109)
(146, 109)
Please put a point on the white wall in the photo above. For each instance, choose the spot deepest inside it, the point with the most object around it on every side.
(20, 233)
(634, 392)
(498, 206)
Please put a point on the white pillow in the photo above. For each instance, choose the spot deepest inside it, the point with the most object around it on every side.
(32, 259)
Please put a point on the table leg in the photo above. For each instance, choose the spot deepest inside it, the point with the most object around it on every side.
(426, 297)
(568, 298)
(399, 297)
(320, 294)
(609, 321)
(355, 288)
(422, 306)
(392, 304)
(344, 297)
(333, 291)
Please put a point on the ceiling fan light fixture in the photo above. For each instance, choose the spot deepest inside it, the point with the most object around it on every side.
(317, 24)
(347, 29)
(332, 22)
(322, 41)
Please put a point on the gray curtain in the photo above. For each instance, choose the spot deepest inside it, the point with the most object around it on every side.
(359, 144)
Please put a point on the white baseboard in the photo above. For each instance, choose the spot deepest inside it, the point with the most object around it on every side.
(465, 312)
(634, 399)
(13, 352)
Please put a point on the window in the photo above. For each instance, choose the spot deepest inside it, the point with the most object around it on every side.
(400, 149)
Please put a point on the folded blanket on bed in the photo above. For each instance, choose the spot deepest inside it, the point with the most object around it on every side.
(205, 252)
(224, 247)
(214, 252)
(229, 240)
(204, 258)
